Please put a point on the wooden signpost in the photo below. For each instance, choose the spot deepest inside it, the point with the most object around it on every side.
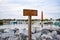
(41, 18)
(29, 13)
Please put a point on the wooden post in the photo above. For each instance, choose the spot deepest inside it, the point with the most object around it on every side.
(42, 19)
(29, 13)
(29, 27)
(42, 16)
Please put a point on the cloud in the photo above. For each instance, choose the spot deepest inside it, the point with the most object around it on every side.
(14, 8)
(1, 1)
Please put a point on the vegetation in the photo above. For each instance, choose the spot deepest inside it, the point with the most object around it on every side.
(1, 22)
(58, 19)
(45, 20)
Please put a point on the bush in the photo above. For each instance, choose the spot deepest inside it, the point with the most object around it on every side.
(1, 22)
(58, 19)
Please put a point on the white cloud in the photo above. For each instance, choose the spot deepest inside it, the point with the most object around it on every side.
(1, 1)
(32, 0)
(14, 8)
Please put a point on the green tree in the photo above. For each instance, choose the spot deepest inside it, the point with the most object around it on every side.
(58, 19)
(1, 22)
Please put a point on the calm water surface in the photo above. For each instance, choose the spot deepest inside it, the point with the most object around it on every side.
(22, 26)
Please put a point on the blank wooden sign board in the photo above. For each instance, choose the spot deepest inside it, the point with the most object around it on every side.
(29, 13)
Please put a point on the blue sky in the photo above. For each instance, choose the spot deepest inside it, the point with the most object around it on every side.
(14, 8)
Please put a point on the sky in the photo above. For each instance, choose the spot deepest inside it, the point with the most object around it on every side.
(13, 9)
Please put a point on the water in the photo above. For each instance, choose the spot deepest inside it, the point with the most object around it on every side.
(12, 26)
(22, 26)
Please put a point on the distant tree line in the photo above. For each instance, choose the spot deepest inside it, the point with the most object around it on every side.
(26, 20)
(58, 19)
(45, 20)
(1, 22)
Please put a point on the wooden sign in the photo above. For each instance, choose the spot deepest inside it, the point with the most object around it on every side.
(29, 12)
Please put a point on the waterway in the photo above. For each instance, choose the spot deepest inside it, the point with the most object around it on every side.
(22, 26)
